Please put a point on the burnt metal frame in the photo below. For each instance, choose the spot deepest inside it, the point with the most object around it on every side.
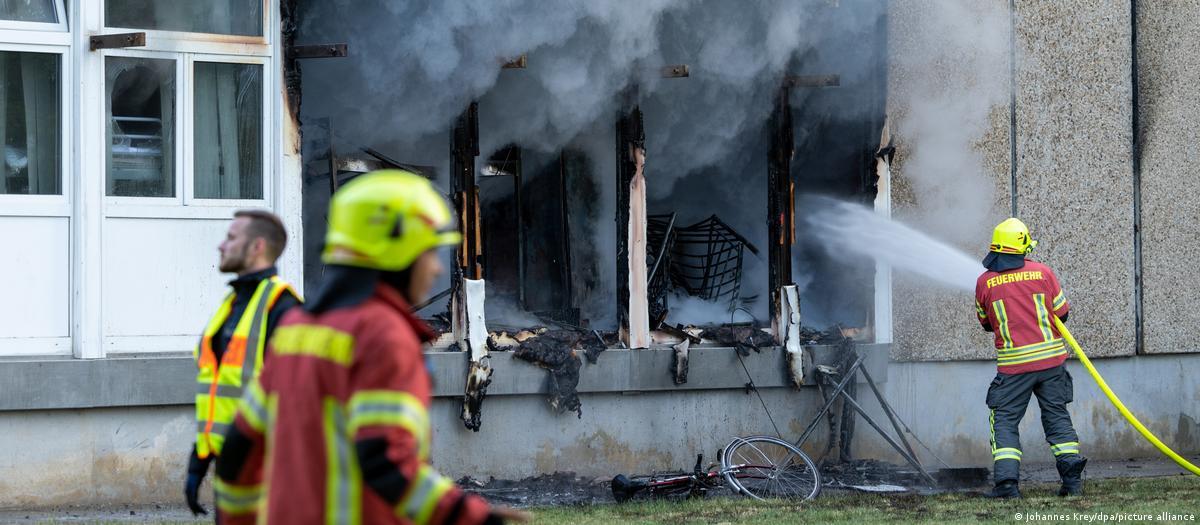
(848, 376)
(720, 266)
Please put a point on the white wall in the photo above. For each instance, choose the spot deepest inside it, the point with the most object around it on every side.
(161, 282)
(35, 289)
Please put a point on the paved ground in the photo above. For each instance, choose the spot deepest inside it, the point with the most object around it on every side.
(559, 489)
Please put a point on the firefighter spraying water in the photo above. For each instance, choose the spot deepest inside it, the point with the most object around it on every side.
(1021, 302)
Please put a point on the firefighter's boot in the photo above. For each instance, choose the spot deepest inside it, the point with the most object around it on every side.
(1070, 469)
(1004, 490)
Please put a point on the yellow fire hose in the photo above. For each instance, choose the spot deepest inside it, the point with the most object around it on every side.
(1121, 406)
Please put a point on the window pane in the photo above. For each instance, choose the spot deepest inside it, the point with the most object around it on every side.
(30, 118)
(227, 17)
(228, 113)
(28, 11)
(141, 126)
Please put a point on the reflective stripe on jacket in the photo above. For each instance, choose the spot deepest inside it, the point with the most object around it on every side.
(337, 429)
(219, 385)
(1019, 306)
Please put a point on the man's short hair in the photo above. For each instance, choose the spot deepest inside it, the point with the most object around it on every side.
(267, 226)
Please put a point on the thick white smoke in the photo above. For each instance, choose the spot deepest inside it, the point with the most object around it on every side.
(950, 63)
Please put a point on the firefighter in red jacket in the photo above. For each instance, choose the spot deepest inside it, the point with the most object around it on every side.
(337, 429)
(1015, 298)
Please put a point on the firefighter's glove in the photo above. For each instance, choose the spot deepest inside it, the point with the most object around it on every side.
(191, 489)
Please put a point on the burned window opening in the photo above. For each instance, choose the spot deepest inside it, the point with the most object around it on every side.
(526, 238)
(660, 232)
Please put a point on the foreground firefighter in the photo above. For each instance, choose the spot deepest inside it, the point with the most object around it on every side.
(1015, 298)
(337, 430)
(231, 351)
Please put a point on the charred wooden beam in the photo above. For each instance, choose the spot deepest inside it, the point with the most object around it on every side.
(632, 307)
(117, 41)
(464, 147)
(781, 213)
(319, 51)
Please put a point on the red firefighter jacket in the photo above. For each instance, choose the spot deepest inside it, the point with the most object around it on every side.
(337, 430)
(1017, 304)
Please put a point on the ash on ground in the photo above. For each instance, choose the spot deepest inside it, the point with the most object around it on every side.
(560, 488)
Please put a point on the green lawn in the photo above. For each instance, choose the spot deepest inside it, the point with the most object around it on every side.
(1179, 495)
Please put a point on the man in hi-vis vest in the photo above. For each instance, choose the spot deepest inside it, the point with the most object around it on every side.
(231, 351)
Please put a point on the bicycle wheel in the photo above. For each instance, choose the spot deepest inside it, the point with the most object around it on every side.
(765, 467)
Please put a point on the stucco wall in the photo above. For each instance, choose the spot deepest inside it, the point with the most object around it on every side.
(1074, 168)
(1074, 174)
(1169, 85)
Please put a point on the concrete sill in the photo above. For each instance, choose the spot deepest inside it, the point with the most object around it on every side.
(48, 383)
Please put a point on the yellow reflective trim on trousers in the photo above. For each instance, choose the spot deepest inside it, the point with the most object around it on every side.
(1070, 447)
(1033, 357)
(427, 490)
(254, 406)
(992, 428)
(1006, 453)
(343, 489)
(1002, 318)
(317, 341)
(1039, 300)
(237, 499)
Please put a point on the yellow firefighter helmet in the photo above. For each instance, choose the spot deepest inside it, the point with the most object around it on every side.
(1012, 236)
(386, 219)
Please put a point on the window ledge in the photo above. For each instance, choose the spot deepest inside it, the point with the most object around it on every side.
(61, 382)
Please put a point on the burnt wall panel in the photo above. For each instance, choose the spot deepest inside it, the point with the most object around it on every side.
(931, 321)
(1168, 88)
(1075, 171)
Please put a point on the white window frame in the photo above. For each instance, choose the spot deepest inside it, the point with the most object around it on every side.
(61, 25)
(22, 205)
(183, 41)
(190, 198)
(54, 39)
(116, 202)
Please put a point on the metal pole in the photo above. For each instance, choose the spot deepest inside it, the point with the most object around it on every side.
(911, 460)
(833, 397)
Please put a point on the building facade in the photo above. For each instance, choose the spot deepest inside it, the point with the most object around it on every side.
(133, 129)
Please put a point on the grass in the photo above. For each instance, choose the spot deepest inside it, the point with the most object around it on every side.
(1179, 495)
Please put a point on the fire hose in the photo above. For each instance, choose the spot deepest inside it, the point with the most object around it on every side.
(1121, 406)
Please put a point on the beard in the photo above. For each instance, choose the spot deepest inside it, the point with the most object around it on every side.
(234, 262)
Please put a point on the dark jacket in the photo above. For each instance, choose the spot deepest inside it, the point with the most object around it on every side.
(243, 288)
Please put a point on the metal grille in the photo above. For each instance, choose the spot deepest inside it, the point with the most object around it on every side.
(706, 260)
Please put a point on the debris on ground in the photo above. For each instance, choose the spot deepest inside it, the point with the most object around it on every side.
(560, 488)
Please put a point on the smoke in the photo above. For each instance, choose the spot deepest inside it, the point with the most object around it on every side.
(950, 65)
(414, 66)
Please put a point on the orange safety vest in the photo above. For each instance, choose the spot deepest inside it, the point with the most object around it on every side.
(219, 385)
